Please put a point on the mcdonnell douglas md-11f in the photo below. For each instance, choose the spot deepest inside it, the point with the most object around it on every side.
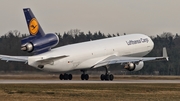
(127, 50)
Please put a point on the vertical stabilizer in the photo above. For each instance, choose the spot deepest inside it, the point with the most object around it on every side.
(32, 23)
(37, 42)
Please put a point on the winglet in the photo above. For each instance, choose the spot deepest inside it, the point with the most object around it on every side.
(165, 53)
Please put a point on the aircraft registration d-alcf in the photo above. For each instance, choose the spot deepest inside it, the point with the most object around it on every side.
(127, 50)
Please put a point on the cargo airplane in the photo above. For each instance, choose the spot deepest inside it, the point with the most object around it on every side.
(127, 50)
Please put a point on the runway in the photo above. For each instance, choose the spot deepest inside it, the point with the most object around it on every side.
(83, 82)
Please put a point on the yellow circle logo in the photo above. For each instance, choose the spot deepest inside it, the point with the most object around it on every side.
(33, 26)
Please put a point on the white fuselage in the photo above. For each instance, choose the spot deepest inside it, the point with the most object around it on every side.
(86, 54)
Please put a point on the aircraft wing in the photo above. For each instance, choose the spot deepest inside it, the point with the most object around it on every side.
(14, 58)
(24, 59)
(124, 60)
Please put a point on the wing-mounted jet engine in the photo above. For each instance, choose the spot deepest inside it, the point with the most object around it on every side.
(134, 66)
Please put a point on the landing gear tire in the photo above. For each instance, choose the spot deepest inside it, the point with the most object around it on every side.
(84, 77)
(65, 76)
(102, 77)
(61, 76)
(111, 77)
(107, 77)
(70, 76)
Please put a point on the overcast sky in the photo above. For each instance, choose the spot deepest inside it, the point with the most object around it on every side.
(150, 17)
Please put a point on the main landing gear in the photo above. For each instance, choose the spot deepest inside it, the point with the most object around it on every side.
(65, 76)
(84, 76)
(107, 76)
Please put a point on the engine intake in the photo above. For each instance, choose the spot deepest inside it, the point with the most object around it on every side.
(134, 66)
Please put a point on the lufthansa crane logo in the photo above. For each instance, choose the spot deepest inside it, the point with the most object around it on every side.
(33, 26)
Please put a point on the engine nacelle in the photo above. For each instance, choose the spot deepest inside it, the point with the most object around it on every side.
(32, 44)
(134, 66)
(26, 40)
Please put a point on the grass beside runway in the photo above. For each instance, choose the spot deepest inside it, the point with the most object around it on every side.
(89, 92)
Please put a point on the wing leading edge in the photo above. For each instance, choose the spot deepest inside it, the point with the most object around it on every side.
(124, 60)
(14, 58)
(25, 58)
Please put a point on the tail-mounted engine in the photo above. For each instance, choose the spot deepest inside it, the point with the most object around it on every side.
(134, 66)
(41, 44)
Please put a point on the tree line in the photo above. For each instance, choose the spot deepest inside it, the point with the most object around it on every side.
(10, 44)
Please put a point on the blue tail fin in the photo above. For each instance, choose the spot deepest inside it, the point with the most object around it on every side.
(32, 23)
(38, 42)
